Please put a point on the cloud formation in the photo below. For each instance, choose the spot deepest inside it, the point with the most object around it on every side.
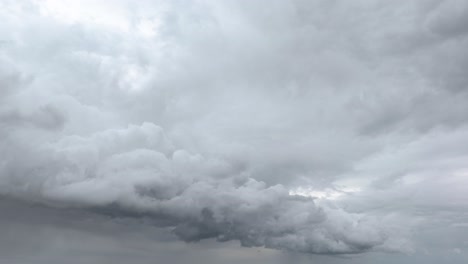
(136, 172)
(206, 116)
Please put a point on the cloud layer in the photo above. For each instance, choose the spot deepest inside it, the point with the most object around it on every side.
(207, 117)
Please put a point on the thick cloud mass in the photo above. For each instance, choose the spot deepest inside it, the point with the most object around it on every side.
(136, 172)
(325, 127)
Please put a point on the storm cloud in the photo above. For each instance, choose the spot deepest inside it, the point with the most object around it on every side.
(329, 127)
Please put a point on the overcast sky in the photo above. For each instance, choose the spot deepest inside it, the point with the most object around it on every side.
(263, 131)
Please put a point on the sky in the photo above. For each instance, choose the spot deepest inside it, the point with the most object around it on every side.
(263, 131)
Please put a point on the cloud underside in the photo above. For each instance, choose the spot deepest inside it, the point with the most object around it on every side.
(204, 117)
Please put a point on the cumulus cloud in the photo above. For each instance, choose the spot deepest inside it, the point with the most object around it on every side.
(205, 117)
(136, 171)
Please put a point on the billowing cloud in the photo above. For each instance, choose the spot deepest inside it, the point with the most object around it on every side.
(136, 171)
(325, 127)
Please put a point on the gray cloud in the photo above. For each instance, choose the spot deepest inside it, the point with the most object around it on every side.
(208, 117)
(133, 173)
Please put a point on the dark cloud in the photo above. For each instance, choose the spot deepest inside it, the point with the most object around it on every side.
(198, 197)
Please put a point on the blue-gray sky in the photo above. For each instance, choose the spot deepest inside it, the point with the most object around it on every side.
(256, 131)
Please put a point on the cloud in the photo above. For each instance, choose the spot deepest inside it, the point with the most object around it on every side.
(134, 171)
(206, 116)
